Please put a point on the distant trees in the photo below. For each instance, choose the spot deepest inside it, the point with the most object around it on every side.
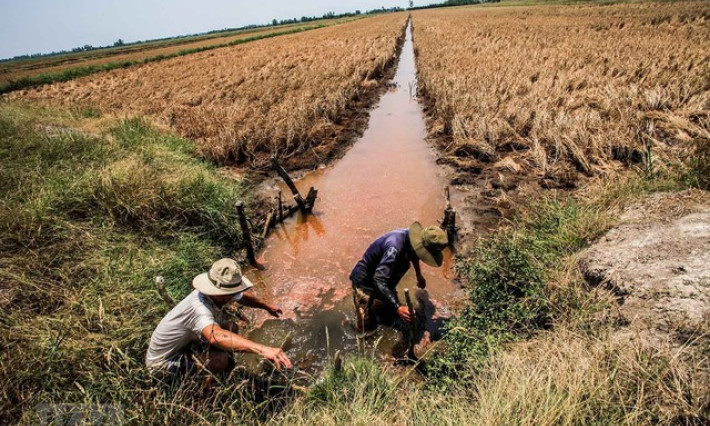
(449, 3)
(333, 15)
(84, 48)
(118, 42)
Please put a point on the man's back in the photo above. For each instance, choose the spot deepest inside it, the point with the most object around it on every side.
(385, 260)
(180, 327)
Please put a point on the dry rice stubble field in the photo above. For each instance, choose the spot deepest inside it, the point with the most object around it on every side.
(145, 51)
(291, 96)
(551, 94)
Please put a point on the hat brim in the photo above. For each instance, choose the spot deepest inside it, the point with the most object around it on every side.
(203, 284)
(434, 259)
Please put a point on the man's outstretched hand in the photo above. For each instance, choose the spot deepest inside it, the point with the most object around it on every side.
(274, 311)
(403, 313)
(421, 282)
(277, 356)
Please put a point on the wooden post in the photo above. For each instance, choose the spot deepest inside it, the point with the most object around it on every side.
(311, 198)
(449, 222)
(338, 362)
(410, 346)
(281, 208)
(296, 195)
(267, 224)
(246, 236)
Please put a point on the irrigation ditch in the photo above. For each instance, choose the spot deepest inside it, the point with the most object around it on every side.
(302, 249)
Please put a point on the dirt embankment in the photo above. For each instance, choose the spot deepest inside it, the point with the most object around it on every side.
(657, 261)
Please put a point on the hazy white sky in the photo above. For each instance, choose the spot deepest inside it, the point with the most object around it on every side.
(40, 26)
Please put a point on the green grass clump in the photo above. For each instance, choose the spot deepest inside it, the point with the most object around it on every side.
(86, 223)
(507, 275)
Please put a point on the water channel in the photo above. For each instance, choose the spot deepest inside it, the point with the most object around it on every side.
(387, 180)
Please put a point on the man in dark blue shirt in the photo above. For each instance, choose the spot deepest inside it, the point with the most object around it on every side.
(376, 275)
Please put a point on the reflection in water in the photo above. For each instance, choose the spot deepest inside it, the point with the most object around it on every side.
(388, 179)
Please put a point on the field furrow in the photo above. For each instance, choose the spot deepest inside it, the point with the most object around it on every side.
(561, 90)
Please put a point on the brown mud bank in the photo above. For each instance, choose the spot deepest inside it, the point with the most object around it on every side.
(657, 264)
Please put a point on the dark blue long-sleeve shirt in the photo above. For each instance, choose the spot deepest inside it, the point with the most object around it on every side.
(382, 266)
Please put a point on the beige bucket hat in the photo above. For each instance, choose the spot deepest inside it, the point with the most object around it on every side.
(224, 278)
(428, 243)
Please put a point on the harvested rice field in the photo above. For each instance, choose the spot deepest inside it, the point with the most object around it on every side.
(146, 51)
(284, 96)
(557, 92)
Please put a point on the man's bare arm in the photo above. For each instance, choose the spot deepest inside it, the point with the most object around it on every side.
(254, 302)
(224, 339)
(421, 281)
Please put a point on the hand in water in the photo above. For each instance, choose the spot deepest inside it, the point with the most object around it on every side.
(275, 311)
(278, 357)
(403, 313)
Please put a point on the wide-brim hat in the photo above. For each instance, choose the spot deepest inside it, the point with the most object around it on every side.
(224, 278)
(428, 243)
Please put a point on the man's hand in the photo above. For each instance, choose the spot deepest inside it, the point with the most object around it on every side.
(277, 356)
(403, 313)
(274, 311)
(421, 281)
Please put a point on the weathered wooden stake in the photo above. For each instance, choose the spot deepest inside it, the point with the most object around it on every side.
(246, 236)
(281, 208)
(311, 198)
(410, 346)
(449, 222)
(338, 362)
(267, 224)
(296, 195)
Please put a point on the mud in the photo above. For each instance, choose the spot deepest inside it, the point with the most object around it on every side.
(657, 262)
(387, 180)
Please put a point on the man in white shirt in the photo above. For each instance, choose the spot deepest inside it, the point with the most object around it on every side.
(198, 319)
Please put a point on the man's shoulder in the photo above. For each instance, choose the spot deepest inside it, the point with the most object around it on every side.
(396, 239)
(195, 301)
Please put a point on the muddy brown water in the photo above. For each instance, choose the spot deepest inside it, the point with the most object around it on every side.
(388, 179)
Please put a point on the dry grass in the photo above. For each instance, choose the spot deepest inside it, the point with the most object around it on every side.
(559, 88)
(278, 96)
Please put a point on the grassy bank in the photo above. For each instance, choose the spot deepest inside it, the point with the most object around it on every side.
(87, 221)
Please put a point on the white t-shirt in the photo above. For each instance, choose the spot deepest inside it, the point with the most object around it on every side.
(182, 326)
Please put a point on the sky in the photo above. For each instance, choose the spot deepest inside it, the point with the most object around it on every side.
(42, 26)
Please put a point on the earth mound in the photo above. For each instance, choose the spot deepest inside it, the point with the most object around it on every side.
(657, 261)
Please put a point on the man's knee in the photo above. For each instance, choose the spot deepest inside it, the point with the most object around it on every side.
(217, 361)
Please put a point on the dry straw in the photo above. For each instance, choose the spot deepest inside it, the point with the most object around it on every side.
(282, 96)
(566, 87)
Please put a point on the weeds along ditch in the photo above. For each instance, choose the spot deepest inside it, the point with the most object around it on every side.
(87, 222)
